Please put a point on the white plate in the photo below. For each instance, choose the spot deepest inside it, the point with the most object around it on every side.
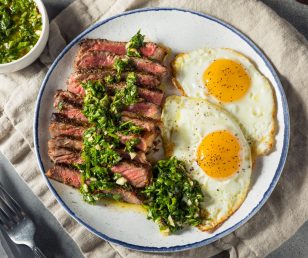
(181, 30)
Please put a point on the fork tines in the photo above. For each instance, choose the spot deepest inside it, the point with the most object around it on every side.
(10, 211)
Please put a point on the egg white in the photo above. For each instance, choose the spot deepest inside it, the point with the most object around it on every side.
(186, 121)
(255, 111)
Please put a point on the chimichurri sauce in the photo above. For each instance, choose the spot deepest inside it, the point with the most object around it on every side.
(20, 28)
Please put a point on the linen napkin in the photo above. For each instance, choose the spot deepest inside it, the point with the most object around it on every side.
(284, 212)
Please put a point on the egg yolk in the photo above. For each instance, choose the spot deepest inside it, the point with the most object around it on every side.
(218, 154)
(226, 80)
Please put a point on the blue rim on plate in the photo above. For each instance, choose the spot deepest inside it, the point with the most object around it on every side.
(178, 247)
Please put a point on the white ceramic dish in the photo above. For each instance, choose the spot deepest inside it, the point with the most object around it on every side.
(35, 52)
(181, 30)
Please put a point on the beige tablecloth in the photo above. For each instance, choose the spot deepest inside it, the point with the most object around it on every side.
(287, 208)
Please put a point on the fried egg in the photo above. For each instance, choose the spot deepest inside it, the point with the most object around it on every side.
(215, 152)
(230, 80)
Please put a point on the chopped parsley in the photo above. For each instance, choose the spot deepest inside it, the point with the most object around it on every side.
(101, 140)
(104, 110)
(173, 199)
(126, 96)
(120, 65)
(109, 79)
(134, 45)
(98, 155)
(130, 144)
(60, 105)
(129, 127)
(20, 28)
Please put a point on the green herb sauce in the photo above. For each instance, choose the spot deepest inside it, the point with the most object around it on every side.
(173, 199)
(20, 28)
(133, 46)
(101, 140)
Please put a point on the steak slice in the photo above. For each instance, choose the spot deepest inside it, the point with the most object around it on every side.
(106, 60)
(74, 113)
(60, 128)
(138, 156)
(149, 49)
(148, 66)
(137, 175)
(144, 123)
(62, 118)
(63, 126)
(154, 96)
(146, 140)
(69, 98)
(71, 176)
(64, 155)
(125, 195)
(69, 150)
(69, 104)
(65, 142)
(145, 109)
(75, 80)
(72, 109)
(65, 174)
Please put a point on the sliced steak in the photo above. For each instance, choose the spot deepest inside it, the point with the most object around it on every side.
(64, 155)
(73, 113)
(69, 98)
(62, 118)
(144, 123)
(65, 174)
(149, 49)
(148, 66)
(137, 175)
(61, 126)
(146, 80)
(125, 195)
(71, 176)
(75, 80)
(146, 140)
(72, 109)
(69, 104)
(154, 96)
(63, 149)
(65, 142)
(74, 84)
(106, 60)
(145, 109)
(138, 156)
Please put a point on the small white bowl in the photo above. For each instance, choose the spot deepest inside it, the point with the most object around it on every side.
(38, 48)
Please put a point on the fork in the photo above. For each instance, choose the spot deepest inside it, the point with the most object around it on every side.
(16, 223)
